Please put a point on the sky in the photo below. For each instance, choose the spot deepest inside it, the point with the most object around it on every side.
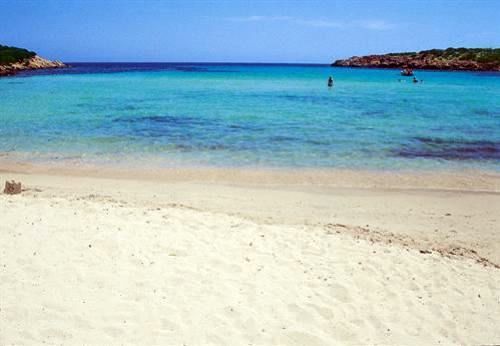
(305, 31)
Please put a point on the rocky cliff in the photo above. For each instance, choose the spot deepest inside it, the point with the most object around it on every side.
(33, 63)
(471, 59)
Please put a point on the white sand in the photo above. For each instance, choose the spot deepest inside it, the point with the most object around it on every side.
(113, 261)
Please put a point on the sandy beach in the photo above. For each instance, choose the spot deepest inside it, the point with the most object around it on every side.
(234, 257)
(254, 173)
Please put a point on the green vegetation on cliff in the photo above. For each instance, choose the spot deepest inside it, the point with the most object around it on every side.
(10, 55)
(471, 59)
(471, 54)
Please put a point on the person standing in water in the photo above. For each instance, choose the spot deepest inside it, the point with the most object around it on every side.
(330, 81)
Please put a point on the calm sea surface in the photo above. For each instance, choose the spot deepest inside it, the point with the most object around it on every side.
(252, 115)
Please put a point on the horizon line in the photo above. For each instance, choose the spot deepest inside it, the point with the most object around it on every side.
(195, 62)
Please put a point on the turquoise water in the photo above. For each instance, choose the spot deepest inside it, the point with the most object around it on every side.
(252, 115)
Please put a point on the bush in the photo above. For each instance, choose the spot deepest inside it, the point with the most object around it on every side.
(10, 55)
(481, 55)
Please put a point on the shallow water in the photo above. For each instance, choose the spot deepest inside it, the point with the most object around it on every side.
(252, 115)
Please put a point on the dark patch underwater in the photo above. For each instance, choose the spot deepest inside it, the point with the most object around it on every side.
(450, 149)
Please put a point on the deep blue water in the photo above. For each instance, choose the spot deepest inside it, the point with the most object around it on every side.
(266, 115)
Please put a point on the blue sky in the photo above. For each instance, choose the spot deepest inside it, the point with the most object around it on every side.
(243, 31)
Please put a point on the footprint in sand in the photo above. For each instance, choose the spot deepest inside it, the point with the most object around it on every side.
(340, 293)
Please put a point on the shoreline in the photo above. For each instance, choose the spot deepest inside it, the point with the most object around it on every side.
(426, 69)
(470, 180)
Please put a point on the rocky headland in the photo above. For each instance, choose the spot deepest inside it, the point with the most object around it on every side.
(14, 60)
(464, 59)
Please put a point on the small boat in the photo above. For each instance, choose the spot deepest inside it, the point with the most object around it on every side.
(408, 72)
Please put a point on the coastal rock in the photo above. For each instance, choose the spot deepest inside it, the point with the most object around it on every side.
(33, 63)
(461, 59)
(12, 188)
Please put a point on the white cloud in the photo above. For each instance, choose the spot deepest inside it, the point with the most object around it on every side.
(258, 18)
(372, 24)
(320, 23)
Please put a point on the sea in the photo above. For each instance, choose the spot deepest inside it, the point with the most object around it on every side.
(251, 115)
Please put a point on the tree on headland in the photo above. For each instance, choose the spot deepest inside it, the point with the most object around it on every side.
(11, 55)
